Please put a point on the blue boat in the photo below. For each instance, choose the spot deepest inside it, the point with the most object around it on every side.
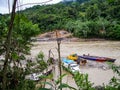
(97, 58)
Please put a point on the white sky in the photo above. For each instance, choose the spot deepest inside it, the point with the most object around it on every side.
(4, 4)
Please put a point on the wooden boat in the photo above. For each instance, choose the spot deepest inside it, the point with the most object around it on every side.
(97, 58)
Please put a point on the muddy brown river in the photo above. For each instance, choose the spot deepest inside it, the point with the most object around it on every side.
(97, 76)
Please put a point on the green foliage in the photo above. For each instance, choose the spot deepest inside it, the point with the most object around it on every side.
(60, 78)
(114, 83)
(84, 84)
(3, 27)
(38, 65)
(50, 61)
(25, 85)
(40, 56)
(23, 30)
(63, 85)
(114, 32)
(3, 32)
(84, 18)
(92, 12)
(116, 69)
(56, 84)
(67, 69)
(82, 81)
(88, 29)
(41, 61)
(42, 65)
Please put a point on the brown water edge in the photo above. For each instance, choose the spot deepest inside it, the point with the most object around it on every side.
(100, 48)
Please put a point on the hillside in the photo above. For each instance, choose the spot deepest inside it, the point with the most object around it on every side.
(83, 18)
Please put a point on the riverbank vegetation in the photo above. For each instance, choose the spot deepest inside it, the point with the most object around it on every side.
(83, 18)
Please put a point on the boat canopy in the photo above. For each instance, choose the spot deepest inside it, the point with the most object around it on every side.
(68, 61)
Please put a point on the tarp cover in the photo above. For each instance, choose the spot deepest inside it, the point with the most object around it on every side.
(68, 61)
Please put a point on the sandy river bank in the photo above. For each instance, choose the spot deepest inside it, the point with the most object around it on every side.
(100, 48)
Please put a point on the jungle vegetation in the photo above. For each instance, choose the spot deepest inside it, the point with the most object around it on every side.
(83, 18)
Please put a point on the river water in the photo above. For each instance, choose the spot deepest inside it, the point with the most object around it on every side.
(97, 76)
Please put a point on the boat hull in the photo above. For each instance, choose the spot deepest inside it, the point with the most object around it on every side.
(97, 58)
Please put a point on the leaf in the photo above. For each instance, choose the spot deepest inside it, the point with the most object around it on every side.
(60, 78)
(15, 56)
(63, 85)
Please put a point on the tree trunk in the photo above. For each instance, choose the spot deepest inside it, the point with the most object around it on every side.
(8, 44)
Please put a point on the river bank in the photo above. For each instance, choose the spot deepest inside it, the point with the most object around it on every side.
(100, 48)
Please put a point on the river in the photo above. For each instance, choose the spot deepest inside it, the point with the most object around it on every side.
(99, 48)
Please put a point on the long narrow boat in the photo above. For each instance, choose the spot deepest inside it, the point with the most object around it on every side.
(97, 58)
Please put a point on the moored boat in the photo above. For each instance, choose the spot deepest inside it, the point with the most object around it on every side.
(97, 58)
(70, 64)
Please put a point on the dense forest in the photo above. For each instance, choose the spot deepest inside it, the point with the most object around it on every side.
(83, 18)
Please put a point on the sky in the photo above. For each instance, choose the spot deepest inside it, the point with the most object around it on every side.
(4, 4)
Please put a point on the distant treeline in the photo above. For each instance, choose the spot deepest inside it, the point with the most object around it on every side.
(83, 18)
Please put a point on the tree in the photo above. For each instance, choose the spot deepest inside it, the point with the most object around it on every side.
(92, 12)
(114, 32)
(82, 81)
(8, 43)
(16, 46)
